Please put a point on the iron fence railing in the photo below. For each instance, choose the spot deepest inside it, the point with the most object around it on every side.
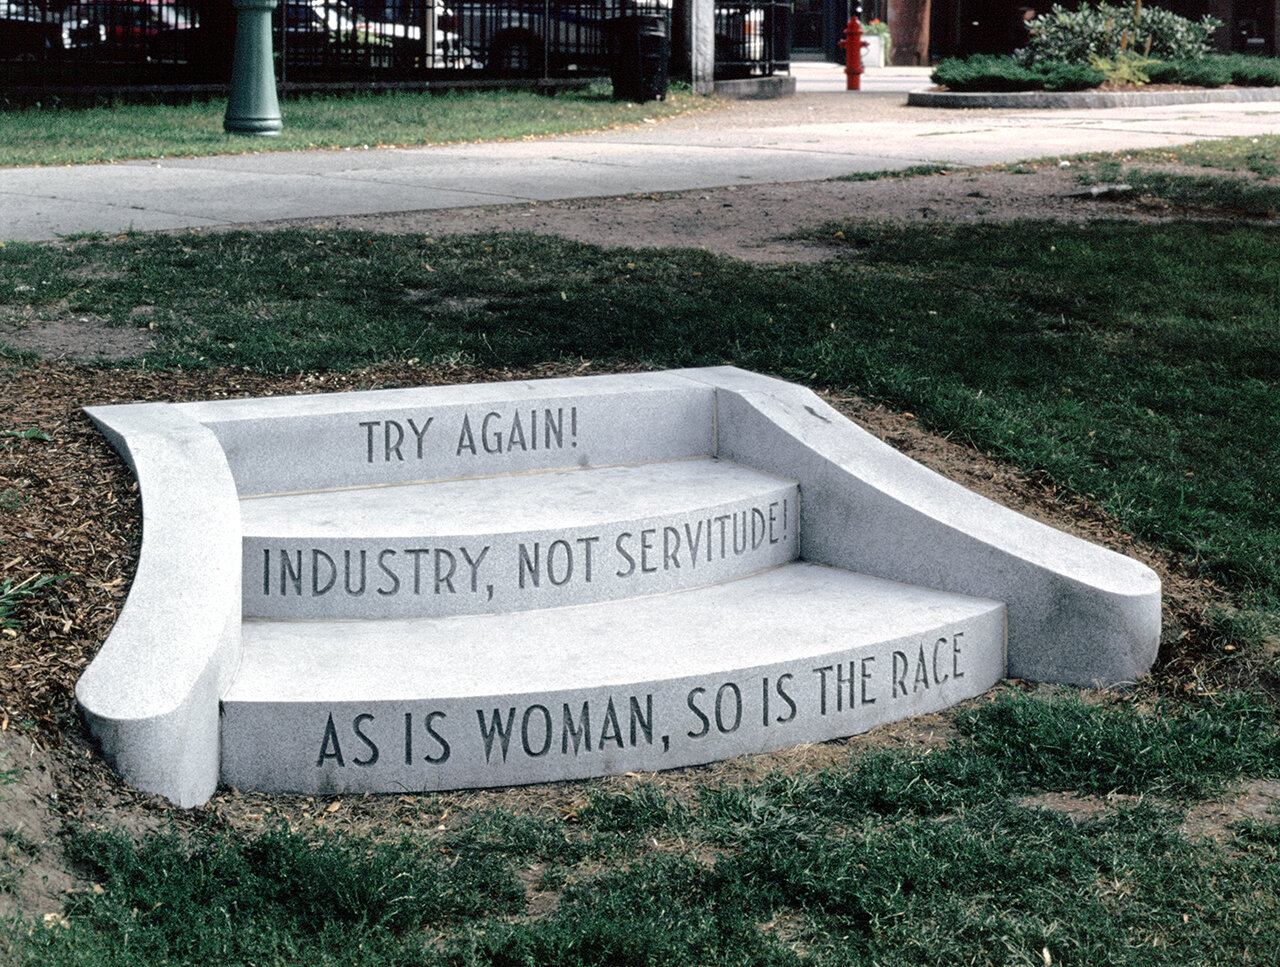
(549, 37)
(317, 40)
(101, 43)
(753, 37)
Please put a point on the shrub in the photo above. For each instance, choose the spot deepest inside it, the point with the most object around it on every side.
(987, 72)
(1215, 70)
(1163, 72)
(1069, 77)
(1104, 31)
(1209, 72)
(1165, 35)
(1252, 71)
(1127, 67)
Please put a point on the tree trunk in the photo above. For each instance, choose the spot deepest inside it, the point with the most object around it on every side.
(909, 30)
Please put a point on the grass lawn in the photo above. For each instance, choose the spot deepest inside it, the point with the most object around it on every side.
(1133, 365)
(79, 136)
(1260, 155)
(956, 855)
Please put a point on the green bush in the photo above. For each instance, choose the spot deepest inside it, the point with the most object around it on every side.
(1068, 77)
(1127, 67)
(1076, 36)
(1208, 72)
(1164, 72)
(1216, 70)
(988, 72)
(984, 72)
(1163, 34)
(1252, 71)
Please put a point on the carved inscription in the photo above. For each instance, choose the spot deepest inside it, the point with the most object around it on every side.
(385, 573)
(515, 567)
(393, 554)
(570, 726)
(476, 434)
(812, 702)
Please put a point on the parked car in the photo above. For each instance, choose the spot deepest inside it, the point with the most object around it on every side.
(409, 35)
(31, 31)
(131, 30)
(420, 34)
(530, 36)
(315, 32)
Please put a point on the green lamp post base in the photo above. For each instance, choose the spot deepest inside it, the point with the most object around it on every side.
(253, 107)
(268, 127)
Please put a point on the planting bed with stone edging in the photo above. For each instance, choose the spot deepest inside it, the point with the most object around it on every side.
(1136, 97)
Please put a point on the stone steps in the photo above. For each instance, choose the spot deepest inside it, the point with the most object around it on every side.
(514, 541)
(797, 653)
(451, 586)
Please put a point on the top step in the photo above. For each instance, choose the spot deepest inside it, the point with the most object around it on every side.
(301, 443)
(514, 542)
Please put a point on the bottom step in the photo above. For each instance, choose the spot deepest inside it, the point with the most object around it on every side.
(800, 653)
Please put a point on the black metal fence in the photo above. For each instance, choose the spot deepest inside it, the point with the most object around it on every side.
(324, 39)
(165, 43)
(753, 38)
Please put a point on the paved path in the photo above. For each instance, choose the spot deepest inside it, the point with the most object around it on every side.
(815, 135)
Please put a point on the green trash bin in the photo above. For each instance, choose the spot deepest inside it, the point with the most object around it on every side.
(639, 51)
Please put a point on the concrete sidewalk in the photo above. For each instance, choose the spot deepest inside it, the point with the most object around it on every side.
(823, 77)
(817, 134)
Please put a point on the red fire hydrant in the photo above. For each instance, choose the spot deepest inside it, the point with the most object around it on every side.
(853, 45)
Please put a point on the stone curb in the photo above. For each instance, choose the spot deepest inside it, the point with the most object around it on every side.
(1087, 99)
(756, 88)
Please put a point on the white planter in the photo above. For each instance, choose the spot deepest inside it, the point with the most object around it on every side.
(872, 50)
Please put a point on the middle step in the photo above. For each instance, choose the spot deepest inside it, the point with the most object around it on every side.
(488, 545)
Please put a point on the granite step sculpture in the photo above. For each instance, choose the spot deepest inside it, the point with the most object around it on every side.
(488, 585)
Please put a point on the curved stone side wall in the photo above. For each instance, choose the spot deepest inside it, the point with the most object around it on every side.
(1078, 613)
(150, 697)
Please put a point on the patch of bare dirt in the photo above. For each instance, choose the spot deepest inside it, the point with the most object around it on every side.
(755, 222)
(1257, 800)
(79, 337)
(1211, 821)
(1074, 805)
(32, 876)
